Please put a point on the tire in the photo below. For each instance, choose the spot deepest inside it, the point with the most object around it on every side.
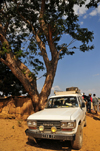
(37, 140)
(77, 143)
(34, 140)
(31, 141)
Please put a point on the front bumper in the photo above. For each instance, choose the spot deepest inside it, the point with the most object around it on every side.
(56, 136)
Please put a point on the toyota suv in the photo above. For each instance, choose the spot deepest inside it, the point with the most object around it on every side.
(62, 119)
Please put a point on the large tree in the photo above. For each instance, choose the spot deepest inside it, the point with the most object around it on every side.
(30, 31)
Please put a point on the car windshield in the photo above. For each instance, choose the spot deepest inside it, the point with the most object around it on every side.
(62, 102)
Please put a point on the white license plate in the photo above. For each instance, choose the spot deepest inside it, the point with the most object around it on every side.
(48, 136)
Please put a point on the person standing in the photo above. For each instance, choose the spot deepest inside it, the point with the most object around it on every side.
(89, 100)
(95, 103)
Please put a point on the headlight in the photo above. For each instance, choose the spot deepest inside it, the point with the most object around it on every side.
(65, 125)
(41, 128)
(31, 123)
(53, 129)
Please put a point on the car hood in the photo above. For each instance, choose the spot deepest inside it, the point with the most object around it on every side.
(55, 114)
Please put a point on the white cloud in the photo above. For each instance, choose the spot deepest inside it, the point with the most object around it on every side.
(81, 23)
(93, 13)
(56, 88)
(80, 10)
(85, 16)
(83, 10)
(96, 74)
(98, 9)
(1, 93)
(87, 1)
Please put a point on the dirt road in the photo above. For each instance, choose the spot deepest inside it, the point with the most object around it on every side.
(13, 138)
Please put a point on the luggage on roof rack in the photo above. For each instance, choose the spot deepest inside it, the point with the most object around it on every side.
(76, 89)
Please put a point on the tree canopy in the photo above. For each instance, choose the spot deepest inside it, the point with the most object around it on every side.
(27, 27)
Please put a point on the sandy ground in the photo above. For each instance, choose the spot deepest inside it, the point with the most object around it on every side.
(13, 138)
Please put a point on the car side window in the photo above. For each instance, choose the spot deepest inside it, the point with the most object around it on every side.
(80, 101)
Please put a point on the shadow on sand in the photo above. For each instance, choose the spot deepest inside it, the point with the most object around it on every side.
(52, 145)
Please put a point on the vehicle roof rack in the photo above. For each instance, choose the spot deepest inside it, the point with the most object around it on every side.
(70, 90)
(65, 92)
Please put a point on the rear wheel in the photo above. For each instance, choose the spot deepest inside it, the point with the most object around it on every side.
(77, 143)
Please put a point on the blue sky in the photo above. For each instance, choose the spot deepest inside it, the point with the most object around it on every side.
(83, 68)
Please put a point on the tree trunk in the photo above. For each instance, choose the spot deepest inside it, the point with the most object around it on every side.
(29, 83)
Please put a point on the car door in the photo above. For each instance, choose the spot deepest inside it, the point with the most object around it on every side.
(83, 109)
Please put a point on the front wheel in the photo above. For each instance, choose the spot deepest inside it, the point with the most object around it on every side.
(33, 140)
(77, 143)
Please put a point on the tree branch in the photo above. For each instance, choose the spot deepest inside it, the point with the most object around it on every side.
(39, 41)
(1, 31)
(43, 25)
(5, 62)
(6, 26)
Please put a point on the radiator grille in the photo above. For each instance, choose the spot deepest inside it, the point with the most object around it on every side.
(48, 124)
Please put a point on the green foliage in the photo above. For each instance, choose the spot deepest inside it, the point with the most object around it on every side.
(24, 71)
(20, 33)
(9, 84)
(4, 49)
(93, 3)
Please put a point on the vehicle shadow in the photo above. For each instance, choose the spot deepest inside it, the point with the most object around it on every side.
(52, 145)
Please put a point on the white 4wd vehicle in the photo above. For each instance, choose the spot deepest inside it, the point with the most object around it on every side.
(62, 119)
